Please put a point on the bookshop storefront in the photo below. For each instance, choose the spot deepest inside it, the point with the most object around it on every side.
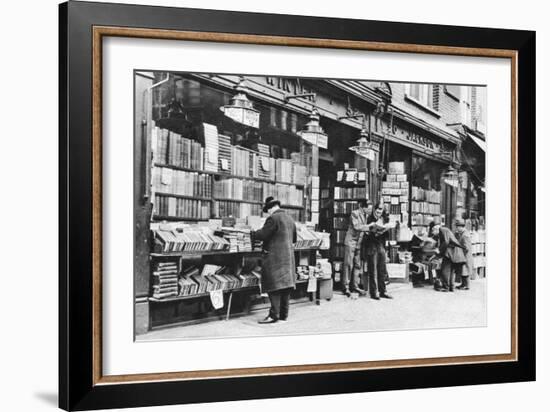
(211, 148)
(207, 166)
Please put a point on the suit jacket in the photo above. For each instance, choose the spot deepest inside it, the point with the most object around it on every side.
(374, 243)
(466, 242)
(278, 235)
(449, 246)
(357, 226)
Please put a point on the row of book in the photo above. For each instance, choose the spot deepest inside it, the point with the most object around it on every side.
(350, 193)
(191, 239)
(236, 209)
(214, 277)
(306, 238)
(239, 238)
(165, 280)
(178, 182)
(181, 208)
(239, 189)
(425, 207)
(176, 150)
(418, 219)
(418, 193)
(286, 194)
(345, 207)
(351, 176)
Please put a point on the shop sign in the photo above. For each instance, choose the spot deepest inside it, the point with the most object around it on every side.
(322, 142)
(413, 137)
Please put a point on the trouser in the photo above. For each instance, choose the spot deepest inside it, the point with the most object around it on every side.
(377, 272)
(448, 270)
(279, 303)
(352, 267)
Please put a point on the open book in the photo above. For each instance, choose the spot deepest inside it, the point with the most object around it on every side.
(380, 227)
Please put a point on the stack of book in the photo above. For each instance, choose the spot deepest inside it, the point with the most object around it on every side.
(224, 154)
(176, 150)
(211, 147)
(298, 174)
(306, 238)
(178, 182)
(345, 207)
(284, 170)
(239, 238)
(350, 193)
(165, 280)
(168, 206)
(244, 162)
(226, 208)
(289, 195)
(264, 165)
(187, 286)
(238, 189)
(190, 239)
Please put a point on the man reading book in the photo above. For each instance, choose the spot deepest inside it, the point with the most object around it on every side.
(352, 259)
(374, 252)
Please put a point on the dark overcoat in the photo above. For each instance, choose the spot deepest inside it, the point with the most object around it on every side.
(278, 267)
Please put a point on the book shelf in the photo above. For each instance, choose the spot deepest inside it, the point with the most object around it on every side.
(204, 177)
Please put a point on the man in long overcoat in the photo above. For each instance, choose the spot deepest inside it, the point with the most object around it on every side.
(278, 268)
(464, 239)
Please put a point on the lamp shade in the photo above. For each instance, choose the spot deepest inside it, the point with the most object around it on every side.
(241, 109)
(313, 132)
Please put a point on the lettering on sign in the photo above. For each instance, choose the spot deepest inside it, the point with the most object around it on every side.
(289, 86)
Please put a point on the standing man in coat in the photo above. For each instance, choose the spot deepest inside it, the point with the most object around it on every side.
(464, 239)
(278, 268)
(452, 257)
(352, 242)
(373, 250)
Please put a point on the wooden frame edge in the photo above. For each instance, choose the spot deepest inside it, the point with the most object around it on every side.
(98, 32)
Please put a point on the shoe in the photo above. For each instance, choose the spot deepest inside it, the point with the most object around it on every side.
(346, 292)
(360, 292)
(443, 290)
(283, 319)
(375, 297)
(268, 319)
(385, 296)
(460, 287)
(451, 290)
(465, 288)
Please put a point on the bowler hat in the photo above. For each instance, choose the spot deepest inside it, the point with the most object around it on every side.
(269, 203)
(460, 222)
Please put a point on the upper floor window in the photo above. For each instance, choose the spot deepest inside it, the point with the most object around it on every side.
(426, 95)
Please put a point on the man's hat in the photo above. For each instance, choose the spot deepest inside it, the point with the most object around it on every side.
(460, 222)
(269, 203)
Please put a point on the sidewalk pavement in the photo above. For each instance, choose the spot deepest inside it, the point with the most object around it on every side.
(410, 308)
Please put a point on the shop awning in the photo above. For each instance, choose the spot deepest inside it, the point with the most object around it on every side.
(479, 142)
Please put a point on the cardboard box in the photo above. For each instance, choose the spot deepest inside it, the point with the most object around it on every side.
(391, 178)
(325, 288)
(398, 272)
(396, 168)
(400, 178)
(391, 185)
(403, 199)
(404, 192)
(404, 185)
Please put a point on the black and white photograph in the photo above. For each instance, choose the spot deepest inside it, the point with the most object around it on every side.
(271, 205)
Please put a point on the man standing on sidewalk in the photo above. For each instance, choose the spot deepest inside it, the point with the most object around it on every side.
(278, 268)
(352, 256)
(374, 252)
